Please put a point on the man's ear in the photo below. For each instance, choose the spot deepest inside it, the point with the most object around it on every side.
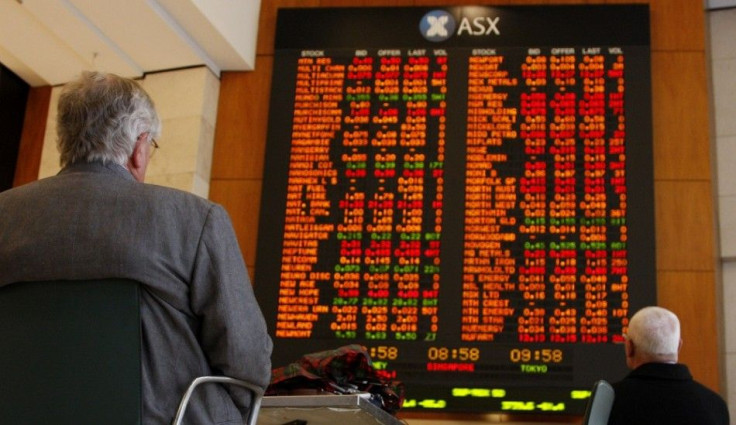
(630, 348)
(138, 155)
(138, 161)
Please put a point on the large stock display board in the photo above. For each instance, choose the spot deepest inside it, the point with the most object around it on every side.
(466, 191)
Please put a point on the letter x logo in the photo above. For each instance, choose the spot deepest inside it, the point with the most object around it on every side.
(437, 25)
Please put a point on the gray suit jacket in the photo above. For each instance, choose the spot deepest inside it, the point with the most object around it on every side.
(199, 314)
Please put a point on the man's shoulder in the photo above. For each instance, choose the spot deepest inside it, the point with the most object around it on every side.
(707, 392)
(174, 194)
(176, 201)
(653, 389)
(26, 189)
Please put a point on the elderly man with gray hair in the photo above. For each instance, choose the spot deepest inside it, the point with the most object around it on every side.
(659, 390)
(97, 219)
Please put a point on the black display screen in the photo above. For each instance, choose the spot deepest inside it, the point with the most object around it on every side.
(465, 191)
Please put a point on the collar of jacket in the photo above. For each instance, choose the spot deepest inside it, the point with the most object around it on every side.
(98, 167)
(676, 371)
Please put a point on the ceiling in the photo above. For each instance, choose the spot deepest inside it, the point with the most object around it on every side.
(49, 42)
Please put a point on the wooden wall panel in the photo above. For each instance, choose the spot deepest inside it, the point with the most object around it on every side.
(240, 146)
(365, 3)
(241, 199)
(34, 129)
(684, 226)
(626, 2)
(685, 293)
(680, 116)
(678, 25)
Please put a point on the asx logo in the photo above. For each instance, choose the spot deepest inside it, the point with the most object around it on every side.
(439, 25)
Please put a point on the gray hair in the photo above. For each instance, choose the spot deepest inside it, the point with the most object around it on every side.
(656, 333)
(101, 116)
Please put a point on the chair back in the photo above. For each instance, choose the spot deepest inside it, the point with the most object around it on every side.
(255, 391)
(599, 404)
(70, 353)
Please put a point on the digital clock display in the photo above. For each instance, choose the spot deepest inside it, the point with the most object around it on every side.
(466, 191)
(545, 355)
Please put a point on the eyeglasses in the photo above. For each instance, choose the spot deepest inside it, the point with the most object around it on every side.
(154, 144)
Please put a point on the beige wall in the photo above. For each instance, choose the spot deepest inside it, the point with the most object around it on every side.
(723, 73)
(186, 101)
